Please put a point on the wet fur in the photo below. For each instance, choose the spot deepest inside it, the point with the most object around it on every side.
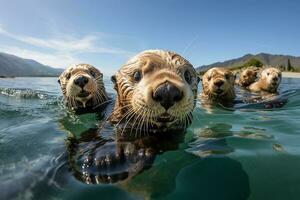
(134, 104)
(95, 87)
(208, 94)
(265, 83)
(247, 77)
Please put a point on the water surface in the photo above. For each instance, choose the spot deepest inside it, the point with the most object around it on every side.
(247, 153)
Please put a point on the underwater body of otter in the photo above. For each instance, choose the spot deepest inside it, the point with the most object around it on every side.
(49, 153)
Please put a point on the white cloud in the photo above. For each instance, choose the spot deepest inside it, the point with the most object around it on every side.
(2, 31)
(64, 49)
(53, 60)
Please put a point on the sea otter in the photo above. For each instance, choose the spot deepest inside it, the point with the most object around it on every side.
(218, 86)
(82, 87)
(156, 91)
(247, 77)
(269, 81)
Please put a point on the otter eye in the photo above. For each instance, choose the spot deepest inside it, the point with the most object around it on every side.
(137, 76)
(244, 76)
(208, 78)
(188, 77)
(268, 74)
(93, 73)
(68, 76)
(227, 76)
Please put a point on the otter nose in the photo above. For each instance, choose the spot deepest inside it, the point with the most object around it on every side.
(81, 81)
(219, 83)
(167, 95)
(275, 79)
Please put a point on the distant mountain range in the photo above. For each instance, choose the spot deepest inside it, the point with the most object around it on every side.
(11, 65)
(266, 59)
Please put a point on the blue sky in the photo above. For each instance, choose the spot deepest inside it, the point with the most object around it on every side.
(106, 33)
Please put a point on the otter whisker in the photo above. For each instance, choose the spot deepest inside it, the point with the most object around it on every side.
(140, 125)
(129, 113)
(132, 115)
(106, 119)
(110, 100)
(99, 97)
(147, 122)
(125, 116)
(116, 110)
(132, 125)
(137, 127)
(136, 118)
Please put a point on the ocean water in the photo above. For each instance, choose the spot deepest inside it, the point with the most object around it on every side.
(245, 153)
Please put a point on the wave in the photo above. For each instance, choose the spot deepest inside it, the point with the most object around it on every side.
(23, 93)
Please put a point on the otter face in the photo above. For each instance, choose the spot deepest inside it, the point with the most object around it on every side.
(156, 87)
(271, 77)
(247, 77)
(218, 83)
(80, 84)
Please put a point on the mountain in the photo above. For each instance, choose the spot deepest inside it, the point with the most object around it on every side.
(266, 59)
(11, 65)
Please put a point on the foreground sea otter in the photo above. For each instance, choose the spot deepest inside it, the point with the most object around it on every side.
(156, 92)
(269, 81)
(218, 86)
(82, 87)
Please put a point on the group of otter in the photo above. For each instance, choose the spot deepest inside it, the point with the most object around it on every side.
(156, 93)
(157, 89)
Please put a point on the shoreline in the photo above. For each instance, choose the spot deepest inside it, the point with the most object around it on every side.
(291, 74)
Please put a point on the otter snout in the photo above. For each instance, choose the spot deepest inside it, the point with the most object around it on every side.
(167, 94)
(219, 83)
(81, 81)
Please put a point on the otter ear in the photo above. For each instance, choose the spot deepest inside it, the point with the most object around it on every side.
(113, 79)
(198, 79)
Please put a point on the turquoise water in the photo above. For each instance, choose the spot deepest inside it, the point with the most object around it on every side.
(247, 153)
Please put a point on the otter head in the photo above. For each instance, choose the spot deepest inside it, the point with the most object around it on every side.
(218, 84)
(155, 88)
(271, 78)
(82, 86)
(247, 77)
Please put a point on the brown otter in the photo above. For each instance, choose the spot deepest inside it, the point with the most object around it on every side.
(218, 86)
(247, 77)
(156, 91)
(82, 87)
(268, 82)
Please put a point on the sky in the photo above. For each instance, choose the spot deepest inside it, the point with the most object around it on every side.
(106, 33)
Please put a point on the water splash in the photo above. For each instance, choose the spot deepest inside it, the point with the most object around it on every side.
(23, 93)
